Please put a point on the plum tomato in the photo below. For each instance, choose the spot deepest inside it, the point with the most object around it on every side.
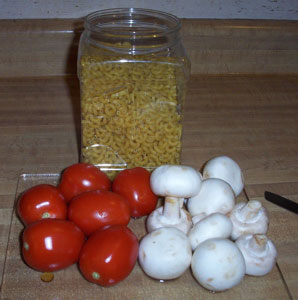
(82, 177)
(109, 255)
(96, 209)
(51, 244)
(41, 201)
(134, 185)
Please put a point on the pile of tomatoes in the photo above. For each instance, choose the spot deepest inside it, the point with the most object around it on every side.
(84, 220)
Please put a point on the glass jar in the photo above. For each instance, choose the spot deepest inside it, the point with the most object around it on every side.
(133, 71)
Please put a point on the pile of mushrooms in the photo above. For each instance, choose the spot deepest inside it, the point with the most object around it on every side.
(201, 226)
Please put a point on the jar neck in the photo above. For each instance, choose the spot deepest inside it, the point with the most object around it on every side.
(132, 31)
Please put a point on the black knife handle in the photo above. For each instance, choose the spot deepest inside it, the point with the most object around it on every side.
(282, 202)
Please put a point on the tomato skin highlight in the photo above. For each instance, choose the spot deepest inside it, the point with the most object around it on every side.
(134, 185)
(82, 177)
(51, 244)
(109, 255)
(41, 201)
(96, 209)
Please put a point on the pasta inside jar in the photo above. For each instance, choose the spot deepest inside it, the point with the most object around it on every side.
(131, 110)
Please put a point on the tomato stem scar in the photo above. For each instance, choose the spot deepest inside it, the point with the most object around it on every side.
(95, 275)
(45, 215)
(26, 246)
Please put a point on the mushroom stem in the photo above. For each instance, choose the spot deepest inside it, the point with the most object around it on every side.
(171, 208)
(258, 243)
(250, 210)
(181, 202)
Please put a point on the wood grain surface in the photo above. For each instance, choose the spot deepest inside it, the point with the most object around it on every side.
(252, 118)
(49, 47)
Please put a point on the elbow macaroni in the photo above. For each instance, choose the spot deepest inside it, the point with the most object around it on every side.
(130, 111)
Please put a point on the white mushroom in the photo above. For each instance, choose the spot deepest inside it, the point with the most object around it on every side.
(250, 217)
(165, 253)
(213, 226)
(214, 196)
(217, 264)
(169, 215)
(227, 169)
(198, 218)
(175, 183)
(259, 253)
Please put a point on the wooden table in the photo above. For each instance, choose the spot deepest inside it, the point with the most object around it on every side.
(252, 118)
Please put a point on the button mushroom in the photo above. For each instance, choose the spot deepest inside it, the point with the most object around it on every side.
(250, 217)
(214, 196)
(218, 264)
(165, 253)
(259, 253)
(227, 169)
(175, 183)
(213, 226)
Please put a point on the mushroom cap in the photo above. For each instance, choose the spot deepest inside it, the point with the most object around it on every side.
(250, 217)
(216, 225)
(175, 181)
(227, 169)
(197, 218)
(214, 196)
(218, 264)
(259, 253)
(165, 253)
(157, 220)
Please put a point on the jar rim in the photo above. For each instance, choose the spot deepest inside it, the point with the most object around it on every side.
(95, 21)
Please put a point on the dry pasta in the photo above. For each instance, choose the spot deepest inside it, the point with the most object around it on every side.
(130, 111)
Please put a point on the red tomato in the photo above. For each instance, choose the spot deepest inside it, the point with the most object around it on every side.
(134, 185)
(82, 177)
(96, 209)
(109, 255)
(41, 201)
(52, 244)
